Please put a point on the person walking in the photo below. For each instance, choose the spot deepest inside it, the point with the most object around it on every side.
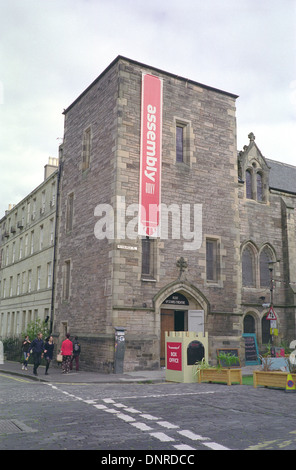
(76, 353)
(37, 348)
(67, 353)
(26, 348)
(48, 352)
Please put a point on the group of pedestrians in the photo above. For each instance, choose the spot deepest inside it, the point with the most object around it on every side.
(39, 349)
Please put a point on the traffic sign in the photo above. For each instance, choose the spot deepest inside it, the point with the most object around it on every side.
(271, 314)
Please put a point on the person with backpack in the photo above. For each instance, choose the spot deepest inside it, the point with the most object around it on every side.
(76, 353)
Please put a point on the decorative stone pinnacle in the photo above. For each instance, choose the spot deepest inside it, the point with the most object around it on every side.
(251, 136)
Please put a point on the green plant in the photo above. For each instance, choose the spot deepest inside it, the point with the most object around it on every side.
(227, 359)
(201, 365)
(35, 327)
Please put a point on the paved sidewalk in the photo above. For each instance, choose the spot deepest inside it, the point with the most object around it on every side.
(55, 374)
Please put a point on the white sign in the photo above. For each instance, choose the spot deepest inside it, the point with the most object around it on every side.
(196, 320)
(272, 323)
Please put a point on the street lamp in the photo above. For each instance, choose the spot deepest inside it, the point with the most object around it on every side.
(270, 267)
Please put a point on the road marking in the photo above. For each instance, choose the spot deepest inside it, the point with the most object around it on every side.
(166, 395)
(215, 446)
(126, 418)
(183, 447)
(132, 410)
(167, 425)
(161, 436)
(142, 426)
(14, 378)
(192, 435)
(111, 410)
(100, 407)
(148, 416)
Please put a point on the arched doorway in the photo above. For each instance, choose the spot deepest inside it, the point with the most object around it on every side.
(181, 307)
(266, 336)
(249, 324)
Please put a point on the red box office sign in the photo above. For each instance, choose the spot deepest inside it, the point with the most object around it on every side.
(150, 157)
(174, 356)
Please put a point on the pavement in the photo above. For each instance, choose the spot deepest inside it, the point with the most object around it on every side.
(55, 375)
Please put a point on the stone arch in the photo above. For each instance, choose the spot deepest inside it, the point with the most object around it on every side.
(185, 288)
(165, 314)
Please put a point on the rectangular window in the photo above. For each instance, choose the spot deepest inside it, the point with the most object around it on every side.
(10, 286)
(53, 194)
(51, 235)
(66, 286)
(148, 248)
(43, 201)
(41, 237)
(18, 283)
(49, 274)
(38, 277)
(86, 149)
(212, 260)
(70, 210)
(13, 252)
(26, 244)
(34, 209)
(23, 282)
(28, 212)
(21, 248)
(29, 280)
(179, 143)
(32, 242)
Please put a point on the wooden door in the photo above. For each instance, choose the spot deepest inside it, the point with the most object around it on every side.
(167, 323)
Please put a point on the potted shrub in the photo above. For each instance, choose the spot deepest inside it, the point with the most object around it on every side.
(273, 378)
(224, 374)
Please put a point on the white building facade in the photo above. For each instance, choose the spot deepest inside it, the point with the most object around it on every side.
(27, 240)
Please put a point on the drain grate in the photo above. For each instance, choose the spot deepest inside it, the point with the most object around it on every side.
(12, 426)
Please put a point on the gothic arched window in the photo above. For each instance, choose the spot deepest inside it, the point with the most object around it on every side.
(249, 324)
(249, 192)
(259, 187)
(265, 258)
(248, 267)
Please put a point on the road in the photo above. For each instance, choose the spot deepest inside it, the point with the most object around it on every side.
(147, 417)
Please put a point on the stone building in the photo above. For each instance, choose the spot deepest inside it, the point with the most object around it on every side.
(27, 243)
(267, 198)
(161, 224)
(223, 217)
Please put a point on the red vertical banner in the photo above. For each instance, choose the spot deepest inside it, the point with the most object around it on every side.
(150, 157)
(174, 356)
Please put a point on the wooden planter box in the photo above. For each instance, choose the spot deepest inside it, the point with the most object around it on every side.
(220, 375)
(271, 378)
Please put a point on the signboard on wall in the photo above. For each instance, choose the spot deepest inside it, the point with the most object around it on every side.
(150, 156)
(174, 356)
(176, 299)
(251, 349)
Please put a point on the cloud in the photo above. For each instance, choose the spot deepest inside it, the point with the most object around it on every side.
(50, 51)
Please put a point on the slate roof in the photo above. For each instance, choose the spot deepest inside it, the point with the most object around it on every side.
(282, 176)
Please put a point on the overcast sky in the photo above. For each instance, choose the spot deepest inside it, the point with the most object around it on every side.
(51, 50)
